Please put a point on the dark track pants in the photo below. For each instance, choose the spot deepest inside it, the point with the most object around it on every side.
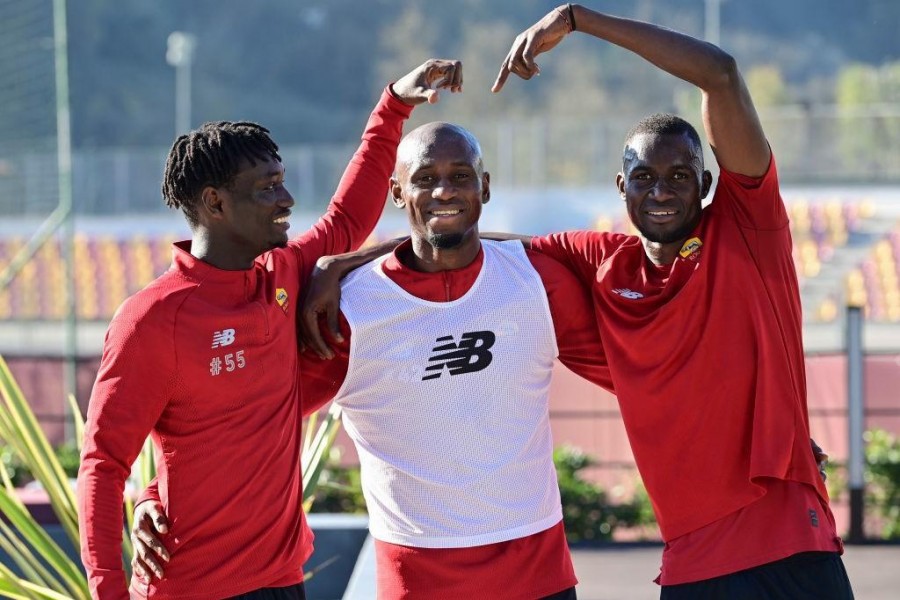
(293, 592)
(804, 576)
(568, 594)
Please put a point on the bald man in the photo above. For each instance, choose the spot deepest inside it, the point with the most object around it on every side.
(443, 378)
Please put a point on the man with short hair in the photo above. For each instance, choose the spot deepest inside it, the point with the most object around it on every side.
(700, 319)
(443, 380)
(204, 360)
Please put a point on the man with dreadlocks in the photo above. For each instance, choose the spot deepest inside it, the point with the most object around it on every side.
(204, 360)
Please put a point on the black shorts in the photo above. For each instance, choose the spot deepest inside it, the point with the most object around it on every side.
(568, 594)
(808, 575)
(292, 592)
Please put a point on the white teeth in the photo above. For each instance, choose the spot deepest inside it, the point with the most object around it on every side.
(660, 213)
(281, 220)
(443, 213)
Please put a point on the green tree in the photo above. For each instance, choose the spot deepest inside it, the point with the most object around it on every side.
(767, 86)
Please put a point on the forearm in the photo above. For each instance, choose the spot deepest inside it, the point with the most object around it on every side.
(730, 120)
(100, 487)
(359, 200)
(505, 237)
(341, 264)
(151, 492)
(700, 63)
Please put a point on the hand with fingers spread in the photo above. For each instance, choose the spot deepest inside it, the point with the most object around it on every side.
(422, 83)
(150, 522)
(541, 37)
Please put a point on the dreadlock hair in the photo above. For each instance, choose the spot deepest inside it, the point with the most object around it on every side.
(211, 156)
(665, 124)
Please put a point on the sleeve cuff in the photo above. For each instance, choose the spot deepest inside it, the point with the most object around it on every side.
(390, 99)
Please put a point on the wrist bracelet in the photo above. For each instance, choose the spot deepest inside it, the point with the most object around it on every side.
(571, 13)
(565, 16)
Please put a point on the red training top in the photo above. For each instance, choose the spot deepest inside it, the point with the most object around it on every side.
(707, 360)
(531, 567)
(205, 361)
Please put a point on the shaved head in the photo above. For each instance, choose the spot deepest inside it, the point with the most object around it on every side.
(440, 181)
(418, 144)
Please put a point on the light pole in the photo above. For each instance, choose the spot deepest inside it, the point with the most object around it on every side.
(180, 54)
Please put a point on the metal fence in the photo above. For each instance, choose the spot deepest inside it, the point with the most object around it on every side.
(820, 144)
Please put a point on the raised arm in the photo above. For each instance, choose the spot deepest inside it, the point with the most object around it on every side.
(359, 200)
(729, 118)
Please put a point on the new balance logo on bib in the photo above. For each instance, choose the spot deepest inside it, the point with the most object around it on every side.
(466, 382)
(471, 355)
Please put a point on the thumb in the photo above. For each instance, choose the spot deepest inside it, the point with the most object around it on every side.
(160, 521)
(425, 94)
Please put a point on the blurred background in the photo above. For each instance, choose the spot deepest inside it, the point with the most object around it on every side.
(92, 93)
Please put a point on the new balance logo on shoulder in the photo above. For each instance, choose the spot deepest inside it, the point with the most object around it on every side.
(223, 338)
(630, 294)
(472, 354)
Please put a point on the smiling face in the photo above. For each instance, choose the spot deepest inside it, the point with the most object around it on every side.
(662, 183)
(254, 212)
(441, 183)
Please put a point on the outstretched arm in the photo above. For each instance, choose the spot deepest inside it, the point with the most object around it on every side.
(322, 297)
(506, 237)
(729, 118)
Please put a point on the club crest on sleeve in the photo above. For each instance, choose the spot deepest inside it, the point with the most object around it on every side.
(281, 297)
(691, 248)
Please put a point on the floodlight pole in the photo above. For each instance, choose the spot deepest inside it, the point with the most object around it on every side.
(180, 54)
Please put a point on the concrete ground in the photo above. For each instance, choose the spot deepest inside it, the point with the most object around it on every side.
(627, 572)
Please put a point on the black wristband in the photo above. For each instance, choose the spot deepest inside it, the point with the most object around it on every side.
(571, 16)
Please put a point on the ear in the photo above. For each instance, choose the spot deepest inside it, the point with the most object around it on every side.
(620, 184)
(706, 184)
(485, 188)
(211, 199)
(397, 193)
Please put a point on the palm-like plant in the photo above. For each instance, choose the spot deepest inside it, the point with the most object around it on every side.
(47, 571)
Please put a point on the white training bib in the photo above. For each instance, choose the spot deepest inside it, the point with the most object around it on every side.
(447, 405)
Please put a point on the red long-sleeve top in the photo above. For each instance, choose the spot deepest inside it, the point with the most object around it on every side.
(707, 359)
(205, 362)
(504, 570)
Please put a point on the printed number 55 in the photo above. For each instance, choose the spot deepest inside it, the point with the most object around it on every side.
(229, 361)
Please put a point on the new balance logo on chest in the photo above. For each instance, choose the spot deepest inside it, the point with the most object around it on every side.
(470, 355)
(223, 338)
